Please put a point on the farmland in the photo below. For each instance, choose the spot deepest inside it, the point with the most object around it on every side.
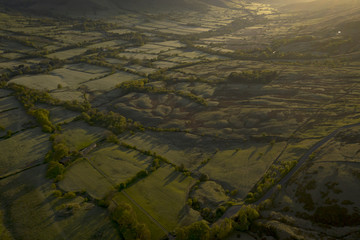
(128, 121)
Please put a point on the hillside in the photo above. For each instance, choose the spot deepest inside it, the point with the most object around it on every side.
(104, 7)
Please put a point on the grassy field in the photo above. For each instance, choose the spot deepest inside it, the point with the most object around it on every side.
(32, 211)
(60, 115)
(108, 83)
(156, 232)
(78, 135)
(241, 169)
(210, 194)
(4, 233)
(23, 150)
(81, 176)
(67, 95)
(41, 81)
(8, 103)
(63, 55)
(30, 214)
(163, 194)
(74, 78)
(14, 120)
(178, 148)
(118, 163)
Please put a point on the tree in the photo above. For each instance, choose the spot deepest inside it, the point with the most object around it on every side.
(128, 224)
(245, 217)
(54, 170)
(60, 151)
(223, 230)
(196, 231)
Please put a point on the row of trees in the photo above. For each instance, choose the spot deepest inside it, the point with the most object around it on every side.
(113, 121)
(270, 178)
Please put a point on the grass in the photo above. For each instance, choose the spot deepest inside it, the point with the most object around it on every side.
(14, 120)
(40, 81)
(78, 135)
(163, 194)
(29, 213)
(4, 233)
(23, 150)
(210, 194)
(60, 115)
(65, 95)
(119, 163)
(156, 232)
(109, 82)
(8, 103)
(74, 78)
(81, 176)
(178, 148)
(32, 211)
(63, 55)
(241, 169)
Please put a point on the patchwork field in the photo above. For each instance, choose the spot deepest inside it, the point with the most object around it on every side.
(186, 111)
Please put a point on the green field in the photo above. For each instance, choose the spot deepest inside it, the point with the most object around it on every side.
(241, 169)
(178, 148)
(32, 213)
(156, 232)
(23, 150)
(4, 233)
(163, 194)
(82, 176)
(15, 120)
(78, 135)
(118, 163)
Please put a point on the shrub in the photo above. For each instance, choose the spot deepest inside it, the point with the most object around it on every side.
(245, 217)
(69, 195)
(57, 193)
(204, 177)
(54, 170)
(128, 224)
(196, 231)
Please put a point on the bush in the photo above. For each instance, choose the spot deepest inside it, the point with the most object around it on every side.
(69, 195)
(196, 231)
(128, 224)
(245, 217)
(57, 193)
(204, 177)
(223, 230)
(54, 170)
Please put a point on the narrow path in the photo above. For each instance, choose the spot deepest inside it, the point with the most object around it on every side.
(234, 209)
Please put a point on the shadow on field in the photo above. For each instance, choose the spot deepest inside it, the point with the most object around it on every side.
(173, 176)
